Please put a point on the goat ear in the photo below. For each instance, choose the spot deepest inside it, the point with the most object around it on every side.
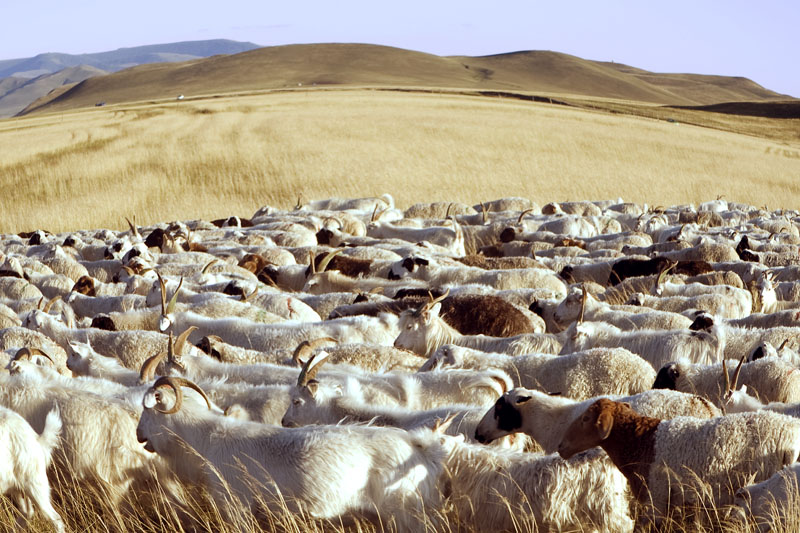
(523, 399)
(440, 426)
(312, 386)
(604, 424)
(431, 314)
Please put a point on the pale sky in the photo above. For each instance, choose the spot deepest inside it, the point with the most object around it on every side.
(755, 39)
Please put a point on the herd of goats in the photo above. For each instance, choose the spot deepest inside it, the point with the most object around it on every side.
(577, 365)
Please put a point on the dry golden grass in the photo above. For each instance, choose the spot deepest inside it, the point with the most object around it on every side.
(213, 157)
(154, 510)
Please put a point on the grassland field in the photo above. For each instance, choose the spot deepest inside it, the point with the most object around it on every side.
(209, 157)
(220, 155)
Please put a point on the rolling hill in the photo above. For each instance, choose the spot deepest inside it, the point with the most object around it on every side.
(291, 66)
(22, 94)
(24, 80)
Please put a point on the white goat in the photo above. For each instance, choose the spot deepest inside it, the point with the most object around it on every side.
(499, 490)
(579, 375)
(24, 458)
(325, 471)
(657, 347)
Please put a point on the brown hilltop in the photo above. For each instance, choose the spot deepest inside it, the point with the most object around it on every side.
(291, 66)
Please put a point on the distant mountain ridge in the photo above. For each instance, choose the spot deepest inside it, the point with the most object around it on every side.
(24, 80)
(121, 58)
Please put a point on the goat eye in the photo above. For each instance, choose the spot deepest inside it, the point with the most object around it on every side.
(585, 419)
(297, 401)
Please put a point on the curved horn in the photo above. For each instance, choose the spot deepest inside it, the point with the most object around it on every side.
(37, 351)
(205, 268)
(435, 301)
(426, 306)
(165, 381)
(327, 259)
(373, 218)
(23, 354)
(180, 342)
(148, 370)
(50, 303)
(175, 384)
(484, 214)
(246, 297)
(522, 215)
(305, 348)
(662, 275)
(26, 353)
(447, 213)
(783, 344)
(310, 369)
(339, 222)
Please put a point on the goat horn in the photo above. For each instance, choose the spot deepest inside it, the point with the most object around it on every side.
(246, 297)
(148, 370)
(305, 347)
(37, 351)
(441, 425)
(175, 384)
(163, 294)
(522, 215)
(662, 275)
(433, 302)
(583, 303)
(783, 344)
(312, 262)
(174, 299)
(327, 259)
(50, 303)
(205, 268)
(134, 229)
(311, 367)
(26, 353)
(728, 390)
(736, 373)
(447, 213)
(339, 222)
(374, 211)
(180, 342)
(22, 354)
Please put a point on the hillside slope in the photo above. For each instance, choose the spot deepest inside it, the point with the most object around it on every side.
(371, 65)
(17, 99)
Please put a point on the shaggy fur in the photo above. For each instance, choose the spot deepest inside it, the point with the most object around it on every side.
(677, 460)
